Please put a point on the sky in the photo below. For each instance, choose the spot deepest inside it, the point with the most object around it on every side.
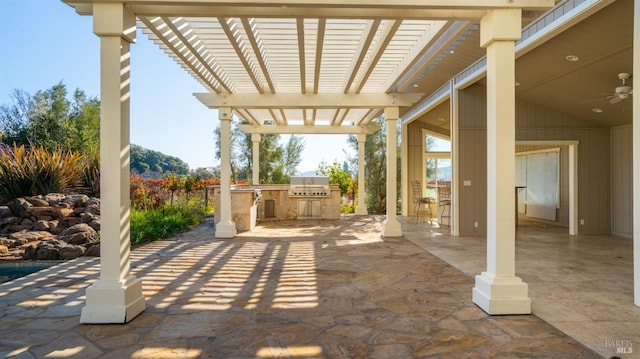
(45, 42)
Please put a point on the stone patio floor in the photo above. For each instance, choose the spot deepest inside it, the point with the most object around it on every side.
(289, 289)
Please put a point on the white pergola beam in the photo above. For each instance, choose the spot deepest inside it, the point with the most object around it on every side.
(308, 130)
(297, 100)
(432, 9)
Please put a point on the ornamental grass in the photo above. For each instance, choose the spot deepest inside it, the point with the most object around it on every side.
(35, 171)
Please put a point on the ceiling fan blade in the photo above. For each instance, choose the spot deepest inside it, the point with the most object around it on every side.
(616, 100)
(596, 99)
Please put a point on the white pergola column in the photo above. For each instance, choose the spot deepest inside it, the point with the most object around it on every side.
(498, 290)
(361, 208)
(116, 297)
(404, 167)
(636, 158)
(225, 228)
(392, 227)
(255, 173)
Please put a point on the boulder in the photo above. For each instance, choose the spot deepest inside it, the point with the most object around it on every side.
(70, 221)
(37, 201)
(30, 236)
(17, 228)
(10, 220)
(62, 212)
(93, 201)
(5, 212)
(93, 250)
(54, 198)
(79, 234)
(42, 213)
(4, 249)
(71, 252)
(46, 251)
(26, 222)
(41, 225)
(95, 224)
(86, 217)
(29, 251)
(76, 200)
(93, 209)
(56, 226)
(19, 207)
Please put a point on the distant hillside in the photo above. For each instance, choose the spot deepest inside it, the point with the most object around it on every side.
(153, 164)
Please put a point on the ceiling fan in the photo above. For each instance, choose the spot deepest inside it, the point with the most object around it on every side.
(620, 93)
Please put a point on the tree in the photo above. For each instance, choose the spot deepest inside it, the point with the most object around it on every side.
(154, 164)
(51, 121)
(293, 154)
(277, 162)
(375, 167)
(337, 175)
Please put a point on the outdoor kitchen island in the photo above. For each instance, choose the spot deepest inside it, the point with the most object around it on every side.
(304, 198)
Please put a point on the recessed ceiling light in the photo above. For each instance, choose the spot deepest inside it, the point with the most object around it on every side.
(452, 52)
(415, 85)
(572, 58)
(596, 110)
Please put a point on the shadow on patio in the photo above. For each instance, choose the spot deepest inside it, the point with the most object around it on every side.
(298, 289)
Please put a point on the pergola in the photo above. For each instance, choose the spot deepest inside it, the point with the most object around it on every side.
(305, 66)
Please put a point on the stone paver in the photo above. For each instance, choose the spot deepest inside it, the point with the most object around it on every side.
(294, 289)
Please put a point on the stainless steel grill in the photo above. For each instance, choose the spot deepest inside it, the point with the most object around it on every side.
(315, 186)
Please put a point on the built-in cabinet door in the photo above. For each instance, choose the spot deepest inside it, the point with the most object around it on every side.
(309, 208)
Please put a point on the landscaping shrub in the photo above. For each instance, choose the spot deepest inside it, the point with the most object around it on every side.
(161, 223)
(30, 172)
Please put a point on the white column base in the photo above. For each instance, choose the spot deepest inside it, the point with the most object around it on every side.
(392, 228)
(500, 296)
(113, 302)
(361, 209)
(226, 230)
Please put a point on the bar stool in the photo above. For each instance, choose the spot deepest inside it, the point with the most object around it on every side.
(444, 201)
(421, 204)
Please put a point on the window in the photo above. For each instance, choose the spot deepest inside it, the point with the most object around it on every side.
(437, 161)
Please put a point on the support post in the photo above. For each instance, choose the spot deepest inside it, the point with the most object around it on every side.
(404, 168)
(116, 297)
(361, 208)
(255, 154)
(636, 157)
(498, 290)
(392, 227)
(454, 123)
(225, 228)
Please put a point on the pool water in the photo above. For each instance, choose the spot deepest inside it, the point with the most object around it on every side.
(12, 270)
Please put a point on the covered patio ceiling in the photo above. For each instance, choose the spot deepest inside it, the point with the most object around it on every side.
(333, 65)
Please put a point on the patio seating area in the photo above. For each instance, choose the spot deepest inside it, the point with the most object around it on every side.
(323, 289)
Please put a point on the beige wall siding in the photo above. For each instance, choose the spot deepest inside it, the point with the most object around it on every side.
(541, 124)
(472, 159)
(621, 181)
(414, 160)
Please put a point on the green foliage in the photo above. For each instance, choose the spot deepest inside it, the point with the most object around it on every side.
(91, 175)
(277, 162)
(50, 121)
(154, 164)
(348, 207)
(38, 172)
(337, 175)
(161, 223)
(375, 167)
